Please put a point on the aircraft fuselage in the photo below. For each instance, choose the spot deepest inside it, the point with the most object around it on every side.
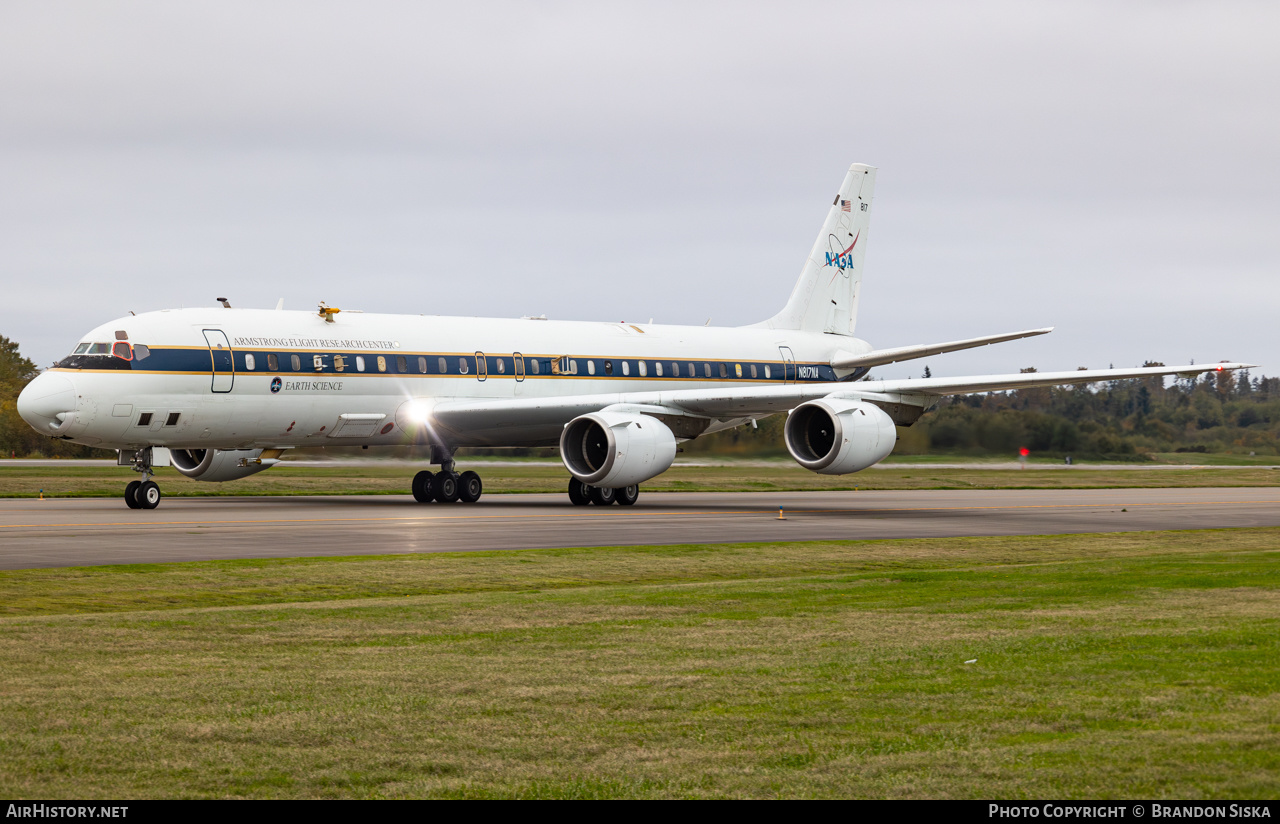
(246, 379)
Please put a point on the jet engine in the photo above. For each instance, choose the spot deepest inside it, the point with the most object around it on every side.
(220, 464)
(616, 449)
(836, 437)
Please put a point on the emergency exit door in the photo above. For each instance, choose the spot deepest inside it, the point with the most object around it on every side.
(224, 365)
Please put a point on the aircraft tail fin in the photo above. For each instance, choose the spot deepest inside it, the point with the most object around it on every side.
(825, 298)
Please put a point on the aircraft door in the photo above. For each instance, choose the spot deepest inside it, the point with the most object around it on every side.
(788, 364)
(223, 363)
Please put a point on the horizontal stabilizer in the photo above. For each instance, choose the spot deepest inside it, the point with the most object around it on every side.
(902, 353)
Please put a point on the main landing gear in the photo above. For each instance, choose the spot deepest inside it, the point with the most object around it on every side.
(143, 494)
(582, 494)
(447, 486)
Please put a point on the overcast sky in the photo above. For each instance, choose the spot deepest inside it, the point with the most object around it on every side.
(1109, 169)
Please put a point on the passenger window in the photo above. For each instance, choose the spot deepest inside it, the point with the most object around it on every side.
(724, 371)
(296, 362)
(444, 367)
(402, 363)
(141, 352)
(382, 364)
(502, 366)
(573, 367)
(173, 419)
(753, 370)
(639, 365)
(144, 419)
(766, 371)
(273, 363)
(462, 366)
(249, 362)
(706, 370)
(359, 363)
(591, 367)
(657, 368)
(536, 366)
(422, 365)
(737, 370)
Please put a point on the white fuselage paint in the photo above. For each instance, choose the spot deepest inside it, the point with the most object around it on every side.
(371, 407)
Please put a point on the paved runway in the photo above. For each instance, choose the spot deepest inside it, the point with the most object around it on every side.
(78, 532)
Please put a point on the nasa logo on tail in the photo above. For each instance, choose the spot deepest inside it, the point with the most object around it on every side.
(841, 259)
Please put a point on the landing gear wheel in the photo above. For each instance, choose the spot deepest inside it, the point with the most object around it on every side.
(423, 487)
(603, 495)
(469, 487)
(149, 495)
(446, 487)
(628, 495)
(131, 494)
(579, 493)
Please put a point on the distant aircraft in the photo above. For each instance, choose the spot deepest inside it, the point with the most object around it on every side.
(222, 393)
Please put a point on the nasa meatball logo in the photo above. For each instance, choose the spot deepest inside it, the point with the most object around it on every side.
(276, 383)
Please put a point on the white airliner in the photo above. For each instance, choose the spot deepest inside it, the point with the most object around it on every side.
(222, 393)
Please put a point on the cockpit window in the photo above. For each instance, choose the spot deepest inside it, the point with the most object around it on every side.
(98, 356)
(141, 352)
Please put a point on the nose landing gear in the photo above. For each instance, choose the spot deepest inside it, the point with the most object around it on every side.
(143, 494)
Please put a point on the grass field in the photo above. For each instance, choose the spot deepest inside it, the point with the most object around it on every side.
(393, 479)
(1138, 664)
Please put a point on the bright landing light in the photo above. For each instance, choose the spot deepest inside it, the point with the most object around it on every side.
(420, 411)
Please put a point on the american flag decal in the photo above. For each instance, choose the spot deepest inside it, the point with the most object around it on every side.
(844, 205)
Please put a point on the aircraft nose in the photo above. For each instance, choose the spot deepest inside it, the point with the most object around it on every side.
(48, 403)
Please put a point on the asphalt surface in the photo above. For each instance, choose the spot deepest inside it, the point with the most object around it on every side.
(79, 532)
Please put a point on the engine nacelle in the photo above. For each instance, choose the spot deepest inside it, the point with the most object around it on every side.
(219, 464)
(836, 437)
(616, 449)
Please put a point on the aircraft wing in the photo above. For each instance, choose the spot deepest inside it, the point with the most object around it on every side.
(877, 357)
(1025, 380)
(475, 416)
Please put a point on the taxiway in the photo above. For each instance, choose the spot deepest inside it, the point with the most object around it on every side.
(91, 531)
